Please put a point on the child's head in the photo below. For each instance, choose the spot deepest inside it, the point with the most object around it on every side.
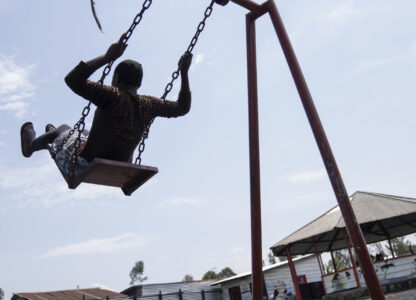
(128, 72)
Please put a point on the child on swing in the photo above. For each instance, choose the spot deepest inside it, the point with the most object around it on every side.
(121, 115)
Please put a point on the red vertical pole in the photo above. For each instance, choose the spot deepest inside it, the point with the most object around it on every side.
(328, 158)
(354, 267)
(320, 264)
(255, 199)
(293, 272)
(317, 256)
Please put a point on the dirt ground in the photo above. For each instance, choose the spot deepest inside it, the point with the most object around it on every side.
(405, 295)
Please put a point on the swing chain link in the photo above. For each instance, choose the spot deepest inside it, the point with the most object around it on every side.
(80, 125)
(175, 75)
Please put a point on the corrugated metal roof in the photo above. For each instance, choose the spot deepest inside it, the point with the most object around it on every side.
(89, 294)
(267, 268)
(380, 217)
(172, 287)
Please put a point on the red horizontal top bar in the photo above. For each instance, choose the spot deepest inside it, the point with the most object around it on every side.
(250, 5)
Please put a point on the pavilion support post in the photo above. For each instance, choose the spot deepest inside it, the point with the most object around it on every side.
(293, 272)
(334, 265)
(255, 198)
(391, 248)
(328, 158)
(319, 258)
(354, 267)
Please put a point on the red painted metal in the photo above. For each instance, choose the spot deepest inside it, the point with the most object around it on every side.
(357, 279)
(250, 5)
(293, 272)
(255, 199)
(318, 257)
(340, 191)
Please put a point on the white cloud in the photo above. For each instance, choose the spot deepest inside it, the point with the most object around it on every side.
(98, 246)
(41, 184)
(179, 201)
(198, 59)
(340, 13)
(370, 64)
(306, 177)
(238, 250)
(15, 86)
(329, 20)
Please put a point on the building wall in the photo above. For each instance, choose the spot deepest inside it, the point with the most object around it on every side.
(387, 271)
(244, 285)
(281, 278)
(190, 291)
(278, 277)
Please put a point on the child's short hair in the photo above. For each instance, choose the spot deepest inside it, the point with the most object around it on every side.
(130, 72)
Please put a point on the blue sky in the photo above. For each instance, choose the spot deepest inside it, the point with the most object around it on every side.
(358, 57)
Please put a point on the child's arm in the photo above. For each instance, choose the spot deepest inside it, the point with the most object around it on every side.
(78, 81)
(159, 107)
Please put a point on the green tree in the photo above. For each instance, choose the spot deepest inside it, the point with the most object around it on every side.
(209, 275)
(136, 274)
(188, 278)
(1, 294)
(341, 259)
(271, 258)
(400, 246)
(225, 273)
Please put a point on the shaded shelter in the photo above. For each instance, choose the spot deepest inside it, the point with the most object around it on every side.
(381, 217)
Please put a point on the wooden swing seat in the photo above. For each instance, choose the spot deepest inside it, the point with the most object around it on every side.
(129, 177)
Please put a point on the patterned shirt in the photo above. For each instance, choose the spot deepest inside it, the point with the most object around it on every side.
(120, 118)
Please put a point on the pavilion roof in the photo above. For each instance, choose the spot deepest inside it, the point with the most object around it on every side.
(380, 216)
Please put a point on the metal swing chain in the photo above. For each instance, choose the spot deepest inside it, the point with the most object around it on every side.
(175, 75)
(80, 125)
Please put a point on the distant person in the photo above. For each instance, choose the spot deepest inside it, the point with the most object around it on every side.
(275, 293)
(379, 256)
(290, 294)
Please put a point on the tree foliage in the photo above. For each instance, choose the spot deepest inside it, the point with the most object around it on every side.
(209, 275)
(1, 294)
(341, 259)
(401, 246)
(136, 274)
(188, 278)
(224, 273)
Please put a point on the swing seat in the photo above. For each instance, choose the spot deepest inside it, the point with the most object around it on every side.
(129, 177)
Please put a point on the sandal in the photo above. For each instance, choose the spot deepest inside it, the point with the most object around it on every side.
(26, 138)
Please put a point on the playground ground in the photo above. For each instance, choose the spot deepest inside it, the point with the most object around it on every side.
(403, 295)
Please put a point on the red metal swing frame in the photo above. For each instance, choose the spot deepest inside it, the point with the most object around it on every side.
(354, 231)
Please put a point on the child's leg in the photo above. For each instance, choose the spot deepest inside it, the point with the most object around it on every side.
(42, 142)
(31, 144)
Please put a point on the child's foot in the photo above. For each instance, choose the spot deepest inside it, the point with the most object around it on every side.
(49, 127)
(27, 135)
